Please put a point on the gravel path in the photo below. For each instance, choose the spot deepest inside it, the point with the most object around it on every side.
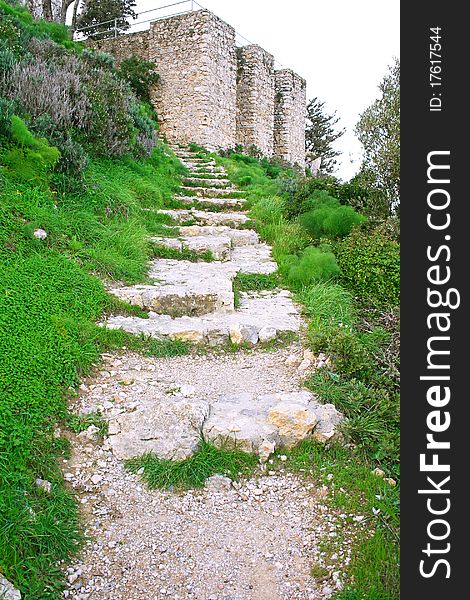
(256, 540)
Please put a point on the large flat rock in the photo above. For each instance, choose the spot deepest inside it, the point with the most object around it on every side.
(238, 237)
(201, 217)
(183, 288)
(212, 202)
(260, 317)
(171, 427)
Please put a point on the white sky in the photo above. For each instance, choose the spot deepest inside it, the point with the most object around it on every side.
(341, 47)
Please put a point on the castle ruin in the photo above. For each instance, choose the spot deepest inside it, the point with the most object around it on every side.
(214, 94)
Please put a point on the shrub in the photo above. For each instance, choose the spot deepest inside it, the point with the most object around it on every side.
(33, 158)
(82, 104)
(140, 74)
(331, 221)
(313, 265)
(370, 266)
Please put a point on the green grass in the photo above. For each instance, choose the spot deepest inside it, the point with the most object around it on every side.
(327, 303)
(354, 488)
(193, 472)
(245, 282)
(362, 382)
(49, 304)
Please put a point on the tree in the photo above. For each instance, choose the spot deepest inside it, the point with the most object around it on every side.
(320, 134)
(94, 17)
(97, 18)
(378, 130)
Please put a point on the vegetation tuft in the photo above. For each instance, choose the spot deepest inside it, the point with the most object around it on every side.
(193, 472)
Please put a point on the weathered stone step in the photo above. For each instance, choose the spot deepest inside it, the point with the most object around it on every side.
(183, 288)
(202, 217)
(170, 426)
(219, 246)
(210, 169)
(207, 182)
(220, 202)
(260, 317)
(214, 175)
(204, 192)
(238, 237)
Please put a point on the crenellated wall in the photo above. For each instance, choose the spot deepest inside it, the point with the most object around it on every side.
(214, 95)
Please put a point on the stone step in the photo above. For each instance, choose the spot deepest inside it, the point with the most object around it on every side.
(214, 175)
(203, 192)
(238, 237)
(207, 182)
(170, 426)
(183, 288)
(201, 217)
(220, 202)
(219, 246)
(261, 316)
(211, 170)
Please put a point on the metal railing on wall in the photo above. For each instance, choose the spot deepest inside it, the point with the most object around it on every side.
(115, 25)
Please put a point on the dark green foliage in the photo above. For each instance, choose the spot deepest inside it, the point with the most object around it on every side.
(103, 17)
(312, 265)
(370, 266)
(355, 193)
(193, 472)
(320, 135)
(141, 76)
(331, 221)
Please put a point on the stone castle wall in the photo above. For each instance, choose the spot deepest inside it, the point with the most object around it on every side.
(196, 96)
(289, 122)
(124, 46)
(213, 95)
(255, 99)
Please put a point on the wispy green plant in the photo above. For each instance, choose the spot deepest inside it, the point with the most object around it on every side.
(193, 472)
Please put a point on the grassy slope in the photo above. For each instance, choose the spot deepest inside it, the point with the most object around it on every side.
(49, 302)
(368, 397)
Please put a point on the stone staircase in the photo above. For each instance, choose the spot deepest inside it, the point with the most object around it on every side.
(194, 301)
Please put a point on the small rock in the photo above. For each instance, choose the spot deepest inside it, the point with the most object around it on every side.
(187, 390)
(283, 457)
(218, 483)
(378, 472)
(305, 365)
(327, 591)
(40, 234)
(44, 484)
(265, 449)
(95, 479)
(267, 334)
(390, 481)
(292, 360)
(7, 590)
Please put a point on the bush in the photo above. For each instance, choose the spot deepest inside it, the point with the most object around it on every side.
(370, 266)
(314, 264)
(33, 158)
(79, 105)
(331, 221)
(141, 76)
